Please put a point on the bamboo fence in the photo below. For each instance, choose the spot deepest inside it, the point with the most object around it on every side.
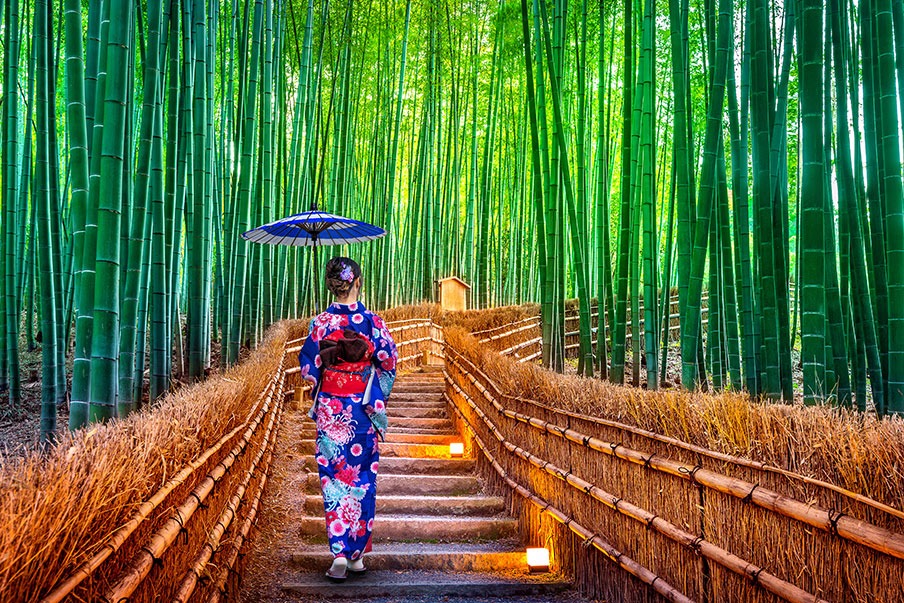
(683, 520)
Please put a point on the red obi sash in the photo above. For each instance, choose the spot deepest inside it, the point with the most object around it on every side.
(346, 379)
(341, 377)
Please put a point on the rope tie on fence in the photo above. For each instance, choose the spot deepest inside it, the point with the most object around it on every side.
(834, 516)
(615, 501)
(692, 475)
(588, 542)
(155, 561)
(755, 576)
(614, 446)
(695, 544)
(586, 441)
(747, 499)
(653, 583)
(646, 461)
(650, 521)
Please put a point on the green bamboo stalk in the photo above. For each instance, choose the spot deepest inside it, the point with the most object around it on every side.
(105, 350)
(9, 367)
(49, 299)
(691, 336)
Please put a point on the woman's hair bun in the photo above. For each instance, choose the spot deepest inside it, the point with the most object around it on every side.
(341, 272)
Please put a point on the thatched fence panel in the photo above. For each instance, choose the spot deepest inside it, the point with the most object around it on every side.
(710, 525)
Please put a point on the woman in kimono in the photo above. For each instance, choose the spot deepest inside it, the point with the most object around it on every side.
(350, 358)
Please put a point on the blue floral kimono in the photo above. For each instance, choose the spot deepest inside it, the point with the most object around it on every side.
(347, 450)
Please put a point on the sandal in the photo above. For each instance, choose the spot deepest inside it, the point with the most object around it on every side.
(336, 577)
(359, 571)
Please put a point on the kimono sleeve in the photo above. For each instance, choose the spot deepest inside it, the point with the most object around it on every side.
(309, 358)
(385, 356)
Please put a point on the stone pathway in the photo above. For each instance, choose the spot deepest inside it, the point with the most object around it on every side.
(437, 536)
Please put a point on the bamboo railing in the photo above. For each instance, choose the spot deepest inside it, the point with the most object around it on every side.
(176, 535)
(693, 523)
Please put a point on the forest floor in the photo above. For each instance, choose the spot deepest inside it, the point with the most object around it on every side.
(20, 427)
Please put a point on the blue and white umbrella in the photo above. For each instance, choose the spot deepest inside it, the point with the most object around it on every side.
(314, 229)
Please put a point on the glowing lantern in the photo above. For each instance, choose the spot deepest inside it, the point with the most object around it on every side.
(538, 560)
(456, 449)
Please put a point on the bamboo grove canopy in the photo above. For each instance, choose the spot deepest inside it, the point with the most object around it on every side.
(743, 153)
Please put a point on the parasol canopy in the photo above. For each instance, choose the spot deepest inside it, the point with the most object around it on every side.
(313, 229)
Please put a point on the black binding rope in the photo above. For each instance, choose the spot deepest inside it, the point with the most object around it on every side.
(834, 516)
(746, 500)
(650, 521)
(755, 577)
(695, 544)
(586, 441)
(646, 461)
(613, 446)
(155, 561)
(692, 474)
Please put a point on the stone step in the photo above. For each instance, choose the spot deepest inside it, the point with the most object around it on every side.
(432, 586)
(472, 506)
(389, 449)
(457, 557)
(403, 437)
(415, 422)
(413, 485)
(419, 412)
(400, 465)
(418, 388)
(400, 528)
(440, 430)
(408, 399)
(416, 466)
(427, 377)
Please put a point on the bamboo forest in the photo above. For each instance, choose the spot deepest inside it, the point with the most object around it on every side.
(712, 187)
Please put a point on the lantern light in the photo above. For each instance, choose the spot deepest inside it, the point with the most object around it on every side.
(538, 560)
(456, 449)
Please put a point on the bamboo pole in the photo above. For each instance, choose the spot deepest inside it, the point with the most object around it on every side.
(163, 538)
(601, 544)
(757, 575)
(118, 538)
(829, 520)
(719, 456)
(194, 573)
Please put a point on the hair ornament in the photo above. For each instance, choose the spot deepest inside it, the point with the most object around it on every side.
(347, 274)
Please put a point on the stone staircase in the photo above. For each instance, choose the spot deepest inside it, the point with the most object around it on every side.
(435, 533)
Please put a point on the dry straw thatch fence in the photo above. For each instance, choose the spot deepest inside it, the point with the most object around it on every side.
(698, 497)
